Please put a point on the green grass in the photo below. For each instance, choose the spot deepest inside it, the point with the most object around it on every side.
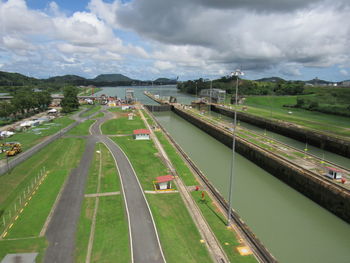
(111, 242)
(148, 118)
(92, 109)
(58, 164)
(28, 138)
(83, 229)
(122, 125)
(81, 128)
(271, 107)
(34, 245)
(178, 234)
(110, 179)
(143, 156)
(217, 223)
(99, 115)
(180, 166)
(118, 109)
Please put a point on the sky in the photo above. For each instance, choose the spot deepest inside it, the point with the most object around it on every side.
(147, 39)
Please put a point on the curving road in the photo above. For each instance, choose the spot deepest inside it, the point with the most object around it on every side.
(144, 241)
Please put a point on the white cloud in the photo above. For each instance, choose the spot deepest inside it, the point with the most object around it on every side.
(344, 72)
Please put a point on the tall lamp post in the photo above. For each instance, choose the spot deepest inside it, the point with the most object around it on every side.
(236, 73)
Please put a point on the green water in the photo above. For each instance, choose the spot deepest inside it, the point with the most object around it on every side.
(292, 227)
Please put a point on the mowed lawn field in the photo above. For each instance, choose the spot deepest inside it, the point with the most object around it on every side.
(111, 236)
(121, 125)
(272, 107)
(58, 158)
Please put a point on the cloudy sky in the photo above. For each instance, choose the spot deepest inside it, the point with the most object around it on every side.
(145, 39)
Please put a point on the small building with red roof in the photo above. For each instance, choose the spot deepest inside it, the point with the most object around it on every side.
(333, 173)
(141, 134)
(163, 182)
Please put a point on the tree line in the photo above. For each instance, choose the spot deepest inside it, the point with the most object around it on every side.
(25, 103)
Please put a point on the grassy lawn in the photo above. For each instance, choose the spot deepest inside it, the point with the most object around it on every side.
(217, 223)
(58, 158)
(148, 118)
(34, 135)
(180, 166)
(272, 107)
(111, 239)
(81, 128)
(118, 109)
(92, 109)
(144, 159)
(178, 234)
(83, 229)
(99, 115)
(111, 242)
(36, 245)
(122, 125)
(109, 179)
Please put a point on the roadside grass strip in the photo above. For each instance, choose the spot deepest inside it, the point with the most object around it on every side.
(148, 118)
(33, 217)
(84, 229)
(99, 115)
(180, 239)
(179, 164)
(92, 109)
(144, 158)
(35, 135)
(109, 178)
(32, 245)
(122, 125)
(118, 109)
(111, 242)
(111, 234)
(217, 222)
(62, 153)
(82, 128)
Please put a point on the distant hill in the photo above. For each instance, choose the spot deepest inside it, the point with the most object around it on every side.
(65, 78)
(271, 79)
(317, 81)
(111, 78)
(15, 79)
(165, 81)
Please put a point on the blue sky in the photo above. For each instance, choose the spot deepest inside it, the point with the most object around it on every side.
(147, 39)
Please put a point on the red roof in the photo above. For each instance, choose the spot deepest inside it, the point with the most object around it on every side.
(334, 169)
(164, 178)
(142, 131)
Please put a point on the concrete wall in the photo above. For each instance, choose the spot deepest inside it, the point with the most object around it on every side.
(328, 195)
(320, 140)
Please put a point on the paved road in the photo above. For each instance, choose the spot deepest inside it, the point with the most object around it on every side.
(145, 244)
(4, 167)
(62, 228)
(61, 231)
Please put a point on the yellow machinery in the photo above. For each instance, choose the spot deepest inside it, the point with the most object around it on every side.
(11, 148)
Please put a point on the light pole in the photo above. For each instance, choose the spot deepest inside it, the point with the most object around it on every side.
(237, 73)
(196, 92)
(211, 90)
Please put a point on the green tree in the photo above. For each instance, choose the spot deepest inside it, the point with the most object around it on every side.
(70, 101)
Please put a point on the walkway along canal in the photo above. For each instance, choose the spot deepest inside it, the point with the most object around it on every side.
(291, 226)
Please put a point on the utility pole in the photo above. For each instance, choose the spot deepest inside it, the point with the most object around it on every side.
(237, 73)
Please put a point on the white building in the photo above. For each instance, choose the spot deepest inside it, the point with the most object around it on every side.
(333, 173)
(141, 134)
(163, 182)
(130, 116)
(217, 95)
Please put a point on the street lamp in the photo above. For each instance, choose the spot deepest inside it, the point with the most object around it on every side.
(211, 94)
(237, 73)
(196, 92)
